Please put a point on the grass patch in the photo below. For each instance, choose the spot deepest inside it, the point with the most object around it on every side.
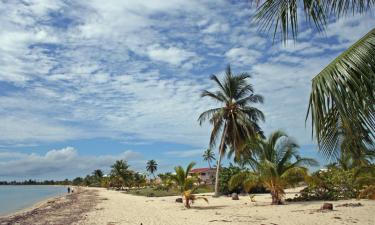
(157, 192)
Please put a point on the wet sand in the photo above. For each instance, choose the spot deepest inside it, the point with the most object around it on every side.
(64, 210)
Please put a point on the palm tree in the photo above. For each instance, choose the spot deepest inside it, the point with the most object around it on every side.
(277, 160)
(120, 171)
(236, 119)
(209, 156)
(182, 179)
(342, 100)
(139, 179)
(98, 173)
(152, 167)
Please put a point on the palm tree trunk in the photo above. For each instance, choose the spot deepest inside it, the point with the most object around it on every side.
(221, 153)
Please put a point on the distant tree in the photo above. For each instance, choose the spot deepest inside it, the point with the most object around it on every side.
(120, 170)
(139, 179)
(209, 156)
(98, 173)
(152, 167)
(77, 181)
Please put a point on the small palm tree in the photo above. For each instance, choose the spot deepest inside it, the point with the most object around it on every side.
(182, 179)
(152, 167)
(186, 184)
(236, 119)
(209, 156)
(277, 160)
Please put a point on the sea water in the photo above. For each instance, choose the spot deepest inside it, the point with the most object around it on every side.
(17, 197)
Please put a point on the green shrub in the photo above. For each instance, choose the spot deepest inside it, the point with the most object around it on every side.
(333, 184)
(225, 174)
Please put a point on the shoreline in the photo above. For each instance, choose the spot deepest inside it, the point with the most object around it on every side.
(63, 209)
(34, 205)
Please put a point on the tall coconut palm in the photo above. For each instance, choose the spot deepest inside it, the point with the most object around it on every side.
(152, 167)
(209, 156)
(342, 100)
(236, 118)
(276, 160)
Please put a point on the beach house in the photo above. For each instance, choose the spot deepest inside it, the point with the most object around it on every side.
(205, 175)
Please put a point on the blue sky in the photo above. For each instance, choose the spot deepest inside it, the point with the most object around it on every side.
(84, 84)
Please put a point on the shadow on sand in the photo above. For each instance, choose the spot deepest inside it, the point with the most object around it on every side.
(208, 207)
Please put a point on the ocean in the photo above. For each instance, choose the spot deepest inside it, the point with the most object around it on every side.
(17, 197)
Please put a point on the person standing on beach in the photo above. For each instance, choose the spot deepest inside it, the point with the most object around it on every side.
(68, 190)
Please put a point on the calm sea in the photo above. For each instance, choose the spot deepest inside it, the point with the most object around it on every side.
(18, 197)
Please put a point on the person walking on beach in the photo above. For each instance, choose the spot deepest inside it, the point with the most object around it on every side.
(68, 190)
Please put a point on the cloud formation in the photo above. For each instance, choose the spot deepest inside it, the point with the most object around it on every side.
(120, 69)
(63, 163)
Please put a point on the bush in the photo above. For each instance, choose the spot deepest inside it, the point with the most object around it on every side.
(333, 184)
(225, 174)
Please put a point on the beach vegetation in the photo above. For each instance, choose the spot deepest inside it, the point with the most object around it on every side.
(277, 163)
(120, 174)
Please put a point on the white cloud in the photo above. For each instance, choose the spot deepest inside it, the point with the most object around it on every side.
(60, 163)
(120, 69)
(242, 56)
(185, 153)
(216, 28)
(171, 55)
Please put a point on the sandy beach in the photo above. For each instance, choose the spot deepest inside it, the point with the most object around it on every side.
(124, 209)
(97, 206)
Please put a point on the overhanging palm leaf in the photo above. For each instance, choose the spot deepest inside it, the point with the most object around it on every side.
(282, 15)
(343, 97)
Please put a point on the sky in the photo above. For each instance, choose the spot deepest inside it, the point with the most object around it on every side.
(85, 83)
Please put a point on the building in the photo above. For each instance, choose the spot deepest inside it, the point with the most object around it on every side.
(205, 175)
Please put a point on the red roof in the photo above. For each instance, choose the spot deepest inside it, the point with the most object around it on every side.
(200, 170)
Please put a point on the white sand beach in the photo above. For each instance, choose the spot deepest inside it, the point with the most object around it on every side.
(119, 208)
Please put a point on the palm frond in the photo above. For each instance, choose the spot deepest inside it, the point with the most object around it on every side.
(344, 92)
(217, 96)
(207, 115)
(281, 16)
(251, 99)
(189, 167)
(340, 8)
